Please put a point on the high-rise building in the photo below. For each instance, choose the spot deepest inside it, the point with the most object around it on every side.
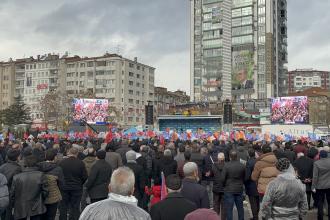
(238, 49)
(7, 84)
(302, 79)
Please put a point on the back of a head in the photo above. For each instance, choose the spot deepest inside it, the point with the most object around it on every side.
(130, 155)
(73, 151)
(122, 181)
(189, 169)
(30, 161)
(251, 152)
(50, 154)
(221, 156)
(13, 154)
(100, 154)
(91, 151)
(173, 182)
(187, 155)
(205, 214)
(182, 148)
(266, 149)
(167, 153)
(233, 155)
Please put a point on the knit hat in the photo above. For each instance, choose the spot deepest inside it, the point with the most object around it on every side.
(323, 154)
(130, 155)
(282, 164)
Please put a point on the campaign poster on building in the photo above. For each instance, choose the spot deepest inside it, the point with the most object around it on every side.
(242, 72)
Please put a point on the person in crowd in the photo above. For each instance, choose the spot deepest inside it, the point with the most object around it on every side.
(304, 168)
(321, 183)
(4, 194)
(90, 159)
(191, 190)
(285, 197)
(288, 152)
(300, 148)
(55, 180)
(179, 158)
(218, 191)
(121, 204)
(39, 152)
(75, 175)
(174, 206)
(251, 186)
(197, 158)
(98, 180)
(148, 155)
(28, 191)
(140, 181)
(168, 165)
(205, 214)
(232, 177)
(265, 169)
(187, 156)
(112, 157)
(242, 153)
(123, 149)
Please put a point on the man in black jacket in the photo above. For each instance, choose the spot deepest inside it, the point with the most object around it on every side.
(191, 190)
(9, 170)
(174, 206)
(75, 175)
(218, 191)
(232, 177)
(28, 191)
(140, 181)
(99, 178)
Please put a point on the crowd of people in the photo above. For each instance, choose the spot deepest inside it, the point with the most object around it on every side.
(144, 179)
(290, 111)
(90, 110)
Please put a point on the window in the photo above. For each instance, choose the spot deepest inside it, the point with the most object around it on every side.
(261, 39)
(138, 67)
(131, 65)
(242, 40)
(138, 76)
(130, 83)
(261, 11)
(130, 101)
(82, 74)
(110, 63)
(82, 65)
(99, 72)
(90, 64)
(261, 2)
(101, 63)
(212, 43)
(137, 93)
(261, 20)
(131, 92)
(137, 84)
(242, 30)
(131, 74)
(90, 74)
(68, 74)
(110, 72)
(137, 102)
(72, 65)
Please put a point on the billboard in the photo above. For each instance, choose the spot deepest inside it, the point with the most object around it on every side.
(93, 111)
(289, 110)
(243, 72)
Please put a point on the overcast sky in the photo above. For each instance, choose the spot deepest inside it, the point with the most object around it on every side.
(155, 31)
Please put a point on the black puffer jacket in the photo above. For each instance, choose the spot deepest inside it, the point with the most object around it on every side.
(217, 184)
(52, 169)
(28, 192)
(233, 176)
(10, 169)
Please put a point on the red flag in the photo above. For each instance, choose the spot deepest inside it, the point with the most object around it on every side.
(161, 140)
(163, 192)
(108, 137)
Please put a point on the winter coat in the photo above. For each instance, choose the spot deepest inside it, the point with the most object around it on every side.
(250, 185)
(208, 162)
(304, 167)
(115, 207)
(195, 192)
(140, 181)
(4, 193)
(242, 154)
(284, 199)
(264, 171)
(217, 183)
(179, 170)
(122, 152)
(28, 192)
(98, 180)
(114, 159)
(233, 176)
(155, 191)
(89, 162)
(167, 165)
(321, 174)
(75, 173)
(55, 181)
(10, 169)
(174, 207)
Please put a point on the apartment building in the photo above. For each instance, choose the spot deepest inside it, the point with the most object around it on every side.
(7, 84)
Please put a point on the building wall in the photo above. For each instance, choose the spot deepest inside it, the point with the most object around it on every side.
(7, 84)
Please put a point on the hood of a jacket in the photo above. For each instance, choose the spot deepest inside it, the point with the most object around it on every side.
(268, 158)
(46, 166)
(89, 159)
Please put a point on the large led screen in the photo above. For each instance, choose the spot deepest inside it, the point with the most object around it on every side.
(290, 110)
(93, 111)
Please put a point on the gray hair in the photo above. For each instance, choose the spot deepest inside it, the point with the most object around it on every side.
(168, 153)
(301, 154)
(189, 169)
(221, 156)
(122, 181)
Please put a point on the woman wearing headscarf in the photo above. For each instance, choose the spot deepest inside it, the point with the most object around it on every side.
(285, 196)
